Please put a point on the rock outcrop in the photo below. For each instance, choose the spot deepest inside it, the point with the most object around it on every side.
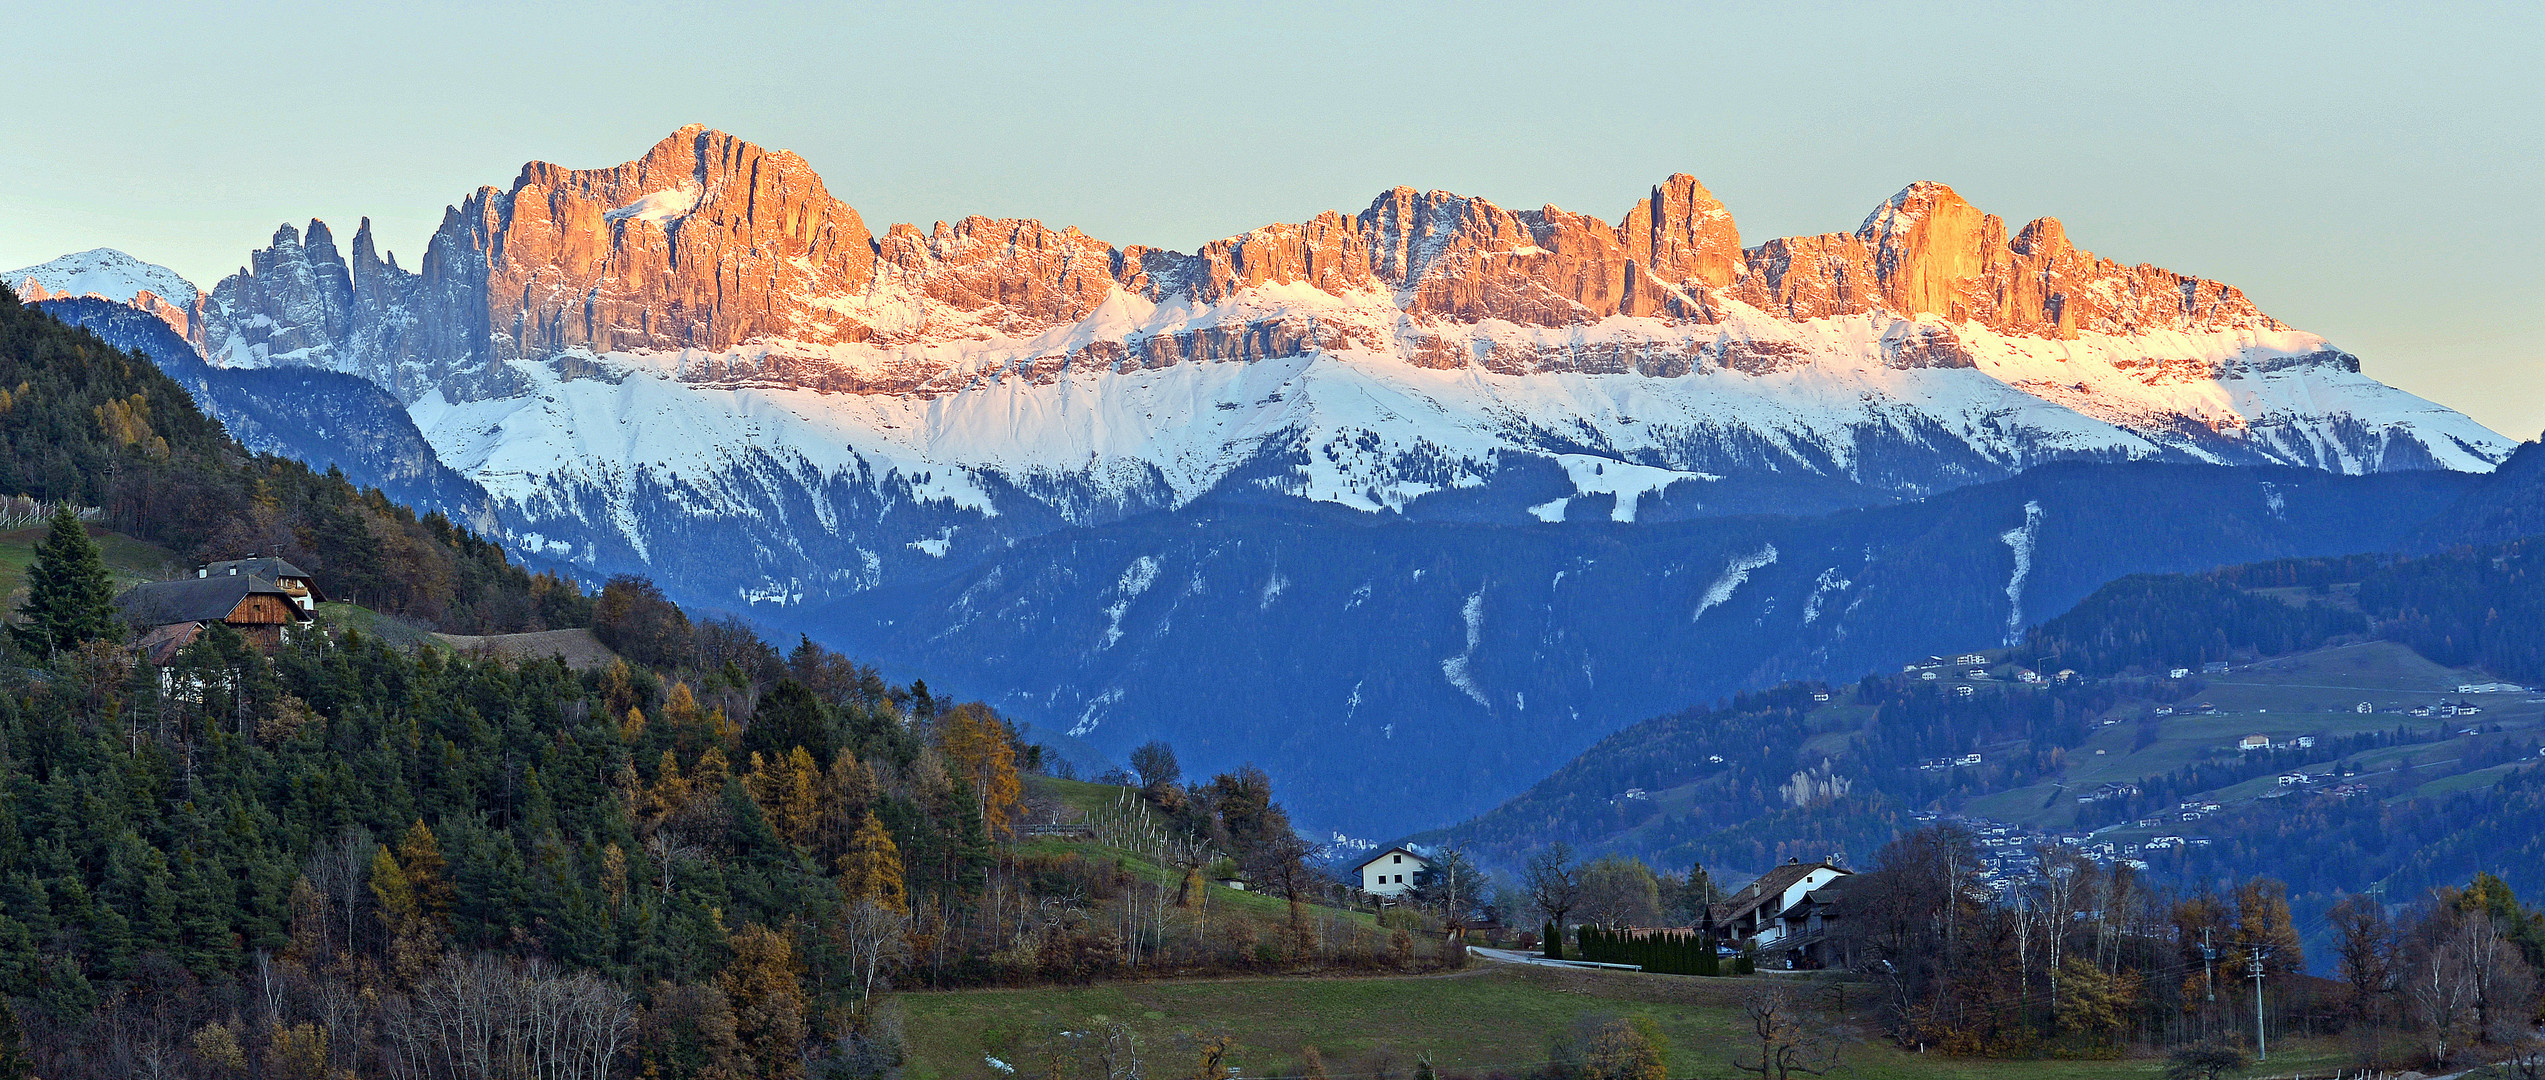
(1928, 251)
(708, 243)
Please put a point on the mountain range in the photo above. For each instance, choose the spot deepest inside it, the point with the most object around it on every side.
(1312, 473)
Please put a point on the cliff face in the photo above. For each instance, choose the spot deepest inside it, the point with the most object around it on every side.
(1927, 251)
(710, 243)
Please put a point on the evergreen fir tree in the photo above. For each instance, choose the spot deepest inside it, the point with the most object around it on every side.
(70, 598)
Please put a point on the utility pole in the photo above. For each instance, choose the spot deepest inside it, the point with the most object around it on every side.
(2253, 967)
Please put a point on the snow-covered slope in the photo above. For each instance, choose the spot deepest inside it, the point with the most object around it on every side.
(1364, 426)
(101, 272)
(109, 274)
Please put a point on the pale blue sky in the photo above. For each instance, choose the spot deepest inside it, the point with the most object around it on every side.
(2368, 172)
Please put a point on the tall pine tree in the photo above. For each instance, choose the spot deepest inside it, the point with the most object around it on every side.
(70, 599)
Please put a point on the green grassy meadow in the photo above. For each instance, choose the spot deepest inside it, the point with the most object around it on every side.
(131, 561)
(1492, 1018)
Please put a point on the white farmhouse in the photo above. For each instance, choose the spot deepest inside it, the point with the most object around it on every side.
(1391, 873)
(1772, 912)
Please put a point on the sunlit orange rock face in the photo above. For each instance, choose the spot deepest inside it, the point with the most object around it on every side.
(709, 242)
(1927, 251)
(705, 242)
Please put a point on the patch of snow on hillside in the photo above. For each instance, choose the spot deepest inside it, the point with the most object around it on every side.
(1094, 713)
(1136, 579)
(1455, 669)
(1828, 582)
(2020, 540)
(1623, 479)
(1734, 576)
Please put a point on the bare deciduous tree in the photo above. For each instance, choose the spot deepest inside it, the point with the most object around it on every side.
(878, 942)
(1554, 883)
(484, 1018)
(1786, 1044)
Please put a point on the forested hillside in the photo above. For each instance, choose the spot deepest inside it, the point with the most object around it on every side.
(342, 858)
(2478, 606)
(2379, 769)
(86, 423)
(327, 419)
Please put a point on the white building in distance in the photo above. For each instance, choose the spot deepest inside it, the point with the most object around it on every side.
(1391, 872)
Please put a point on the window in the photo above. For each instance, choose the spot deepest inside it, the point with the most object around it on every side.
(1396, 858)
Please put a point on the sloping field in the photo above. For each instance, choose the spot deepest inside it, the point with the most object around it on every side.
(577, 647)
(1493, 1019)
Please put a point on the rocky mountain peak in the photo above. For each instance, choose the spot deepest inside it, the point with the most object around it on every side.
(707, 241)
(113, 275)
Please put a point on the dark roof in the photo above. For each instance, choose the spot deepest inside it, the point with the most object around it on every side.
(161, 644)
(264, 566)
(195, 600)
(1827, 896)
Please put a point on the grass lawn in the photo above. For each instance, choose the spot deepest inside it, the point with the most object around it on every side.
(130, 561)
(1092, 800)
(1493, 1018)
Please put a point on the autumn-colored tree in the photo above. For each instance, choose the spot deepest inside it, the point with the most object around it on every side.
(2094, 1003)
(413, 943)
(671, 792)
(298, 1052)
(632, 726)
(2263, 925)
(420, 855)
(708, 780)
(691, 729)
(789, 792)
(848, 789)
(976, 747)
(799, 801)
(618, 687)
(871, 869)
(688, 1034)
(2202, 917)
(1210, 1053)
(767, 993)
(215, 1044)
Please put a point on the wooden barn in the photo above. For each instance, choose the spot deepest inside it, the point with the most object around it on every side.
(170, 614)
